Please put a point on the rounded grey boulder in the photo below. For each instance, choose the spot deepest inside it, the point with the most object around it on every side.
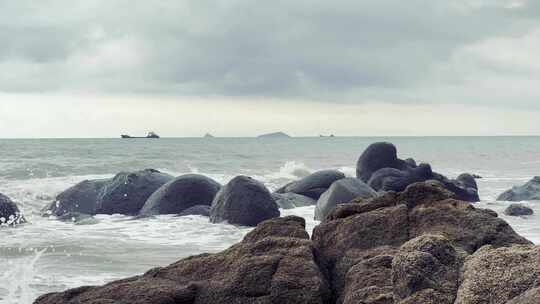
(127, 192)
(9, 212)
(203, 210)
(314, 184)
(180, 194)
(467, 180)
(390, 179)
(528, 192)
(518, 210)
(243, 201)
(341, 191)
(377, 156)
(79, 199)
(292, 200)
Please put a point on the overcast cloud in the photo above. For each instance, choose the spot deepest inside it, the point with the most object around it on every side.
(392, 50)
(481, 53)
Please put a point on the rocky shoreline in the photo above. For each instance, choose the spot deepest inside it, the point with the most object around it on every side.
(398, 232)
(418, 246)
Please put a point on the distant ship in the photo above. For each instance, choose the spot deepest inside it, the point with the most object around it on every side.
(150, 135)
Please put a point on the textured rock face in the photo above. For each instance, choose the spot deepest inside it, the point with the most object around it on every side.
(499, 275)
(79, 199)
(518, 210)
(359, 241)
(243, 201)
(127, 192)
(9, 212)
(273, 264)
(203, 210)
(314, 184)
(180, 194)
(426, 270)
(382, 170)
(341, 191)
(418, 246)
(292, 200)
(528, 192)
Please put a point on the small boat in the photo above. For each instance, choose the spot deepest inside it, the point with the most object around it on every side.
(150, 135)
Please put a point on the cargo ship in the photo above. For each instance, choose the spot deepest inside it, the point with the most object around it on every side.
(150, 135)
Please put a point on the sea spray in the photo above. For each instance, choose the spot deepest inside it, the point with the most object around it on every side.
(18, 278)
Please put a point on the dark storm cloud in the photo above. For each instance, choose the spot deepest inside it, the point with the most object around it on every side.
(301, 49)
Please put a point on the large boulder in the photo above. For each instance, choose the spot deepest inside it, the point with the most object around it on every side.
(127, 192)
(528, 192)
(342, 191)
(243, 201)
(518, 210)
(292, 200)
(79, 199)
(313, 185)
(377, 156)
(203, 210)
(9, 212)
(275, 263)
(426, 270)
(380, 167)
(501, 275)
(180, 194)
(358, 242)
(390, 179)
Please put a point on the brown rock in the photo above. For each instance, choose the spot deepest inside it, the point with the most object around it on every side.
(273, 264)
(364, 229)
(498, 275)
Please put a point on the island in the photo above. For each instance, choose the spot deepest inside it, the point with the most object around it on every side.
(208, 135)
(274, 135)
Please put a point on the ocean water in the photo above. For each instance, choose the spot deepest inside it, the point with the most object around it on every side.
(48, 255)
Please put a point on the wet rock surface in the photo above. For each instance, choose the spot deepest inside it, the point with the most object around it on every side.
(528, 192)
(9, 212)
(421, 245)
(243, 201)
(273, 264)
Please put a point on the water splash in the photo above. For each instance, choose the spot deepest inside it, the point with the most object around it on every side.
(18, 278)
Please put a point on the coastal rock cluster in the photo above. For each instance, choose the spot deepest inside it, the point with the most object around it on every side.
(530, 191)
(420, 245)
(9, 212)
(245, 201)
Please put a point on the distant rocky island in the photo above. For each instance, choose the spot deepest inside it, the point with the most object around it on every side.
(274, 135)
(208, 135)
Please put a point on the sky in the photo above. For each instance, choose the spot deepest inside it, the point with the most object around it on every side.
(99, 68)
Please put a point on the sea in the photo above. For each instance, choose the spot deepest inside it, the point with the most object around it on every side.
(48, 255)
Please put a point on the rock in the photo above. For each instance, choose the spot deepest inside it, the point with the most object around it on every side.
(467, 180)
(377, 156)
(380, 168)
(341, 191)
(274, 263)
(426, 270)
(499, 275)
(9, 212)
(203, 210)
(292, 200)
(313, 185)
(274, 135)
(79, 199)
(531, 296)
(518, 210)
(390, 179)
(528, 192)
(355, 238)
(243, 201)
(127, 192)
(180, 194)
